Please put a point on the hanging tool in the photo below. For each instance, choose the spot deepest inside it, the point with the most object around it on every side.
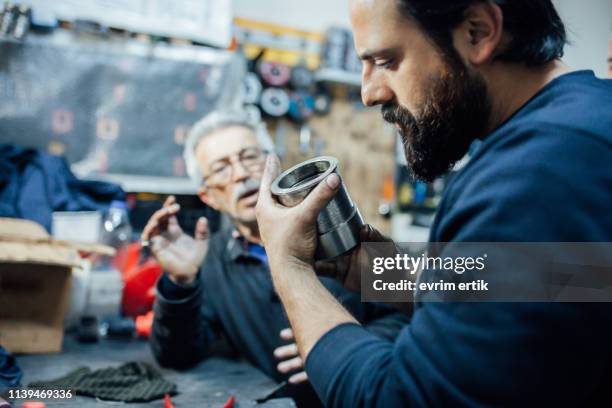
(305, 139)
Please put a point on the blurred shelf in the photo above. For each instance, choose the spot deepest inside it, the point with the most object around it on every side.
(146, 184)
(338, 76)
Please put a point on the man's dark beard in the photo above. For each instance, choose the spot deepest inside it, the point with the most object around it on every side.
(454, 114)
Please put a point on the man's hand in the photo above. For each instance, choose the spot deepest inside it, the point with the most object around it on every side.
(290, 238)
(290, 234)
(347, 269)
(290, 358)
(179, 254)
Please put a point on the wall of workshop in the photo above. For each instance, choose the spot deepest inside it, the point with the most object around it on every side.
(589, 23)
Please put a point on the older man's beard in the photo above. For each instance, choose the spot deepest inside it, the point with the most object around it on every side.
(454, 113)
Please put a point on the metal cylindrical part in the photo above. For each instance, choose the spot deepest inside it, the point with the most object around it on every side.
(338, 224)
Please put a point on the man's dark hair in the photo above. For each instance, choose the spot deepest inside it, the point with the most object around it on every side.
(536, 30)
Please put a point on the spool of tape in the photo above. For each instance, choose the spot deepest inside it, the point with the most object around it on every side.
(301, 106)
(274, 74)
(274, 102)
(302, 78)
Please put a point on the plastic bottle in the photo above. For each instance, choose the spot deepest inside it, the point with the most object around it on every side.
(117, 231)
(105, 280)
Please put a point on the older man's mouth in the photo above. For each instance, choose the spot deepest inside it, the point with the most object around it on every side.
(249, 197)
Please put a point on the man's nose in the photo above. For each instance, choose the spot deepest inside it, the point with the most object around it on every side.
(374, 91)
(240, 172)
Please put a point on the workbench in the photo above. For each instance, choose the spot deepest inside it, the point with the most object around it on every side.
(209, 384)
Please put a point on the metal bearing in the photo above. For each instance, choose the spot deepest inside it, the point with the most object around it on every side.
(339, 223)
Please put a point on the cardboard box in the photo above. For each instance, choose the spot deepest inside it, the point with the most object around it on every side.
(35, 276)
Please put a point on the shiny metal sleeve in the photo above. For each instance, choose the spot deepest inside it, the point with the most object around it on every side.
(339, 222)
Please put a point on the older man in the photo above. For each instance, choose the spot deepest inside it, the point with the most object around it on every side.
(221, 285)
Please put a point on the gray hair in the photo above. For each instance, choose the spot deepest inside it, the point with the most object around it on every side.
(215, 121)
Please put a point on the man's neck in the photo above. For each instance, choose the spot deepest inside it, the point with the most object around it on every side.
(250, 231)
(513, 85)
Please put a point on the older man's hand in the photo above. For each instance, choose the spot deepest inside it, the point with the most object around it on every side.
(178, 254)
(290, 360)
(290, 234)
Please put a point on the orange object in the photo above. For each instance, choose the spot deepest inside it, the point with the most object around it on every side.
(230, 402)
(168, 402)
(144, 324)
(388, 188)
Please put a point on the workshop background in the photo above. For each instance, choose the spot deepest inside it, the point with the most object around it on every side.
(97, 97)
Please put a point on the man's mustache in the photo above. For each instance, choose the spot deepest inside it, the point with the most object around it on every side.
(243, 188)
(390, 112)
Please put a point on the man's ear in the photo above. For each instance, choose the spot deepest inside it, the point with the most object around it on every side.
(479, 37)
(207, 199)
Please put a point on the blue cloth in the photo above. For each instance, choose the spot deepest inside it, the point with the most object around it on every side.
(259, 252)
(544, 175)
(10, 373)
(33, 184)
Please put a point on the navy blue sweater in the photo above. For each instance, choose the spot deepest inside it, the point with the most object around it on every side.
(544, 175)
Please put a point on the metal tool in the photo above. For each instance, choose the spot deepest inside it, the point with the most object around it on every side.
(338, 224)
(22, 24)
(9, 17)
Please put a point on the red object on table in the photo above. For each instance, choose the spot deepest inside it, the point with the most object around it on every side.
(139, 281)
(144, 324)
(230, 402)
(168, 402)
(33, 404)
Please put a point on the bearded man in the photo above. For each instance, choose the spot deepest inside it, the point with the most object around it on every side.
(447, 73)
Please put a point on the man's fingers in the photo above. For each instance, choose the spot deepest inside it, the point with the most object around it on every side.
(201, 230)
(158, 220)
(370, 234)
(320, 196)
(271, 171)
(286, 334)
(298, 378)
(285, 352)
(169, 201)
(290, 365)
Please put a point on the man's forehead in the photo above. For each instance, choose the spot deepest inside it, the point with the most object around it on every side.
(225, 142)
(377, 25)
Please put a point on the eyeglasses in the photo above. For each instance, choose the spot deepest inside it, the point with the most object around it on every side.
(222, 170)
